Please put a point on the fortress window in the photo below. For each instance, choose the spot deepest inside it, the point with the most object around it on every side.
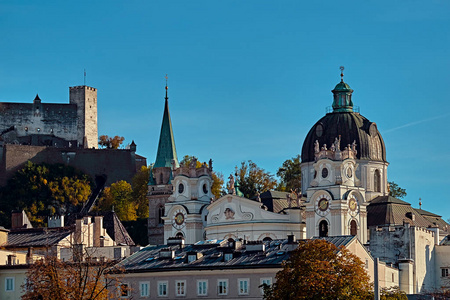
(26, 128)
(38, 130)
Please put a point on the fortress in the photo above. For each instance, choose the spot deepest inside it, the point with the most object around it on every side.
(64, 133)
(72, 125)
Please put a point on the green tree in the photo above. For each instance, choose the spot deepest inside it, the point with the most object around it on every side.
(396, 191)
(119, 196)
(139, 184)
(42, 190)
(253, 179)
(110, 142)
(318, 269)
(217, 177)
(290, 174)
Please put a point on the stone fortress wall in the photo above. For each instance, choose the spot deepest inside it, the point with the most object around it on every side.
(52, 124)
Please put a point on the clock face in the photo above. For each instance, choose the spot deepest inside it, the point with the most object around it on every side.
(178, 219)
(323, 202)
(353, 206)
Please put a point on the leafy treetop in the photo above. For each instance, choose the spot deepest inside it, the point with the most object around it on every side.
(110, 142)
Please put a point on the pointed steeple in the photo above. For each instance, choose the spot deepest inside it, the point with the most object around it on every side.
(166, 147)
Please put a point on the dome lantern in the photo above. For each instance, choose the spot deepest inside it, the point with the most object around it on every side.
(342, 96)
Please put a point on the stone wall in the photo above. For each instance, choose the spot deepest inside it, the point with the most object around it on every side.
(116, 164)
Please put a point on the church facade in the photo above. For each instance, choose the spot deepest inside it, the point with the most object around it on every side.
(344, 192)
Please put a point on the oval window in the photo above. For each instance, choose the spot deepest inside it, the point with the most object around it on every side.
(205, 189)
(324, 173)
(180, 188)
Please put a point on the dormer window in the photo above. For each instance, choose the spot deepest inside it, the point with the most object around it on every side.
(192, 258)
(227, 256)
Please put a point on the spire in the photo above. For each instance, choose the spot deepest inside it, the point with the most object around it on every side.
(166, 147)
(342, 95)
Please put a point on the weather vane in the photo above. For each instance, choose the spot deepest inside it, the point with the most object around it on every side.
(342, 73)
(166, 77)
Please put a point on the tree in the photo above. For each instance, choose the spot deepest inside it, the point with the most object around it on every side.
(253, 179)
(139, 184)
(110, 142)
(217, 177)
(393, 294)
(396, 191)
(318, 269)
(290, 174)
(120, 198)
(51, 278)
(42, 190)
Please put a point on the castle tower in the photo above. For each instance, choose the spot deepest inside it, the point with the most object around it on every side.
(160, 183)
(85, 98)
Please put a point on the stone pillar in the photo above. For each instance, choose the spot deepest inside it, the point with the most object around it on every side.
(406, 281)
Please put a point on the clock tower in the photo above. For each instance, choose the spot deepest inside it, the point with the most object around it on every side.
(186, 208)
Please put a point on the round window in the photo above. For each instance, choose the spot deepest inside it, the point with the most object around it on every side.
(324, 173)
(180, 188)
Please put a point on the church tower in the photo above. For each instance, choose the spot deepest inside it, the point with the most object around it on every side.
(343, 167)
(161, 176)
(186, 209)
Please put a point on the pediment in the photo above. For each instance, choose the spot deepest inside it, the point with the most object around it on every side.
(234, 209)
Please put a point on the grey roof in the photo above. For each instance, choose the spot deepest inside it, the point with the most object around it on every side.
(148, 260)
(116, 230)
(387, 210)
(275, 201)
(36, 237)
(341, 240)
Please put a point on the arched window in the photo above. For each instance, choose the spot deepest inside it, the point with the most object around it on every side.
(179, 235)
(160, 214)
(353, 228)
(377, 181)
(323, 228)
(161, 178)
(267, 239)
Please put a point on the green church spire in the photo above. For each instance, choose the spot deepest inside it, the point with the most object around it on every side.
(166, 147)
(342, 95)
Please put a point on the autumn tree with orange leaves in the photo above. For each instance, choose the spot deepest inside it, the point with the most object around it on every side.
(318, 269)
(51, 278)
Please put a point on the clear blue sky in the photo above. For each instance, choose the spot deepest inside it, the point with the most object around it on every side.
(247, 79)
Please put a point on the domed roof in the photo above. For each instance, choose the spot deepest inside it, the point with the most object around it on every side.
(350, 126)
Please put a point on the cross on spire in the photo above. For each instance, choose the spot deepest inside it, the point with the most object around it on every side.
(342, 73)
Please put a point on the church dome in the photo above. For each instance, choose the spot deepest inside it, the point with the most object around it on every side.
(350, 126)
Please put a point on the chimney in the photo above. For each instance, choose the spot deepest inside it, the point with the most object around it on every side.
(291, 238)
(30, 255)
(98, 226)
(175, 241)
(11, 259)
(19, 219)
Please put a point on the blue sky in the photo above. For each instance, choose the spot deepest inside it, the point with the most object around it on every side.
(247, 79)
